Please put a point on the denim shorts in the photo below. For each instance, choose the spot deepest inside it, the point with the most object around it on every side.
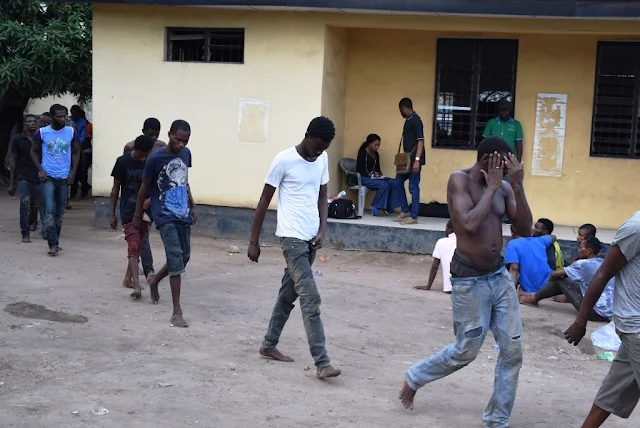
(176, 237)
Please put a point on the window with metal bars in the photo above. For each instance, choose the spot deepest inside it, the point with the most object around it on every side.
(616, 102)
(225, 45)
(472, 77)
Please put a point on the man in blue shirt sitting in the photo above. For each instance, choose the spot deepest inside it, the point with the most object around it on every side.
(573, 280)
(527, 260)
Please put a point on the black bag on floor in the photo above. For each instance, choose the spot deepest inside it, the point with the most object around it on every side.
(342, 209)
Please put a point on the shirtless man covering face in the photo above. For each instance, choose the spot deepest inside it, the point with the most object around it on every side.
(484, 297)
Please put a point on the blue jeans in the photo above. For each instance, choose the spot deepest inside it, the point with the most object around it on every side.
(414, 189)
(55, 192)
(386, 193)
(29, 205)
(297, 282)
(176, 237)
(481, 304)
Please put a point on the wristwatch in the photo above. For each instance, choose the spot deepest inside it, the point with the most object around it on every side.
(417, 158)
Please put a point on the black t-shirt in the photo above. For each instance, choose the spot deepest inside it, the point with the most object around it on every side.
(411, 133)
(129, 172)
(367, 164)
(25, 168)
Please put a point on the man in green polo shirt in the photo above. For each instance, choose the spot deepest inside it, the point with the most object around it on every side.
(506, 127)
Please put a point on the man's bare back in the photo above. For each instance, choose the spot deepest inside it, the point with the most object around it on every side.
(478, 198)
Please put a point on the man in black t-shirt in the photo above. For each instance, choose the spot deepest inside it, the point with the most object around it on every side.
(412, 142)
(127, 179)
(25, 174)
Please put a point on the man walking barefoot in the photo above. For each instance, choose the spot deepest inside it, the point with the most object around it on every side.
(166, 178)
(484, 297)
(301, 174)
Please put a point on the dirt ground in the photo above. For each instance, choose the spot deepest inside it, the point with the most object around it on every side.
(125, 357)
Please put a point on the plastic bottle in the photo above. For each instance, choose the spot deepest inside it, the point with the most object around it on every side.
(338, 196)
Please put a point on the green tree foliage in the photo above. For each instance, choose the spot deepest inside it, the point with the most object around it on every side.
(45, 49)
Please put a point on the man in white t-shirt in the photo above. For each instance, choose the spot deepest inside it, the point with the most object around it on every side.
(442, 255)
(301, 174)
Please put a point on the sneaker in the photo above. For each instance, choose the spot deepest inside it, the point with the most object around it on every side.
(408, 220)
(53, 251)
(400, 217)
(26, 239)
(327, 372)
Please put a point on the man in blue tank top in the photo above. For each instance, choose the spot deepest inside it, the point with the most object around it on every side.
(51, 152)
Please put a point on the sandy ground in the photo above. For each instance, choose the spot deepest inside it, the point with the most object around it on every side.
(127, 359)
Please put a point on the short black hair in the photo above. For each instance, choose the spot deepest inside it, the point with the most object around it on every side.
(450, 225)
(493, 144)
(548, 224)
(406, 102)
(143, 144)
(593, 243)
(588, 227)
(30, 116)
(180, 125)
(46, 113)
(57, 107)
(75, 107)
(151, 123)
(322, 127)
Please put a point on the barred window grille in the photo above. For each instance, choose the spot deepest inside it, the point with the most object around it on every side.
(615, 130)
(473, 75)
(221, 45)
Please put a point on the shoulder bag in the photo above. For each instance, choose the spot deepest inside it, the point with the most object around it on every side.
(402, 161)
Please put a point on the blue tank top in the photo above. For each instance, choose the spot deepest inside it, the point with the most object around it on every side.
(56, 151)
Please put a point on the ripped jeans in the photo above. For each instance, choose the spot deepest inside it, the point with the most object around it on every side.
(480, 304)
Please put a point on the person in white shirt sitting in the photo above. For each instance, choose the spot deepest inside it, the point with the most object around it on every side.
(442, 255)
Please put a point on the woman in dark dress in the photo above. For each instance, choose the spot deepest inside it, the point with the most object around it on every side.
(368, 165)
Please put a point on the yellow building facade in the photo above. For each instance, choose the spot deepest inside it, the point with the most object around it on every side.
(353, 68)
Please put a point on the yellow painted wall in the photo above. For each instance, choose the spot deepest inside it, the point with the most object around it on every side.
(283, 64)
(386, 65)
(354, 69)
(334, 85)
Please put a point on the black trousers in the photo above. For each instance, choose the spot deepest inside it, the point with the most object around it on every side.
(556, 287)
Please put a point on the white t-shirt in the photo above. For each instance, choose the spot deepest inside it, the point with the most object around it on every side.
(445, 247)
(298, 182)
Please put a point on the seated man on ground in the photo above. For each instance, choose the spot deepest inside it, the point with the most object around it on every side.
(442, 254)
(573, 280)
(555, 258)
(527, 260)
(585, 231)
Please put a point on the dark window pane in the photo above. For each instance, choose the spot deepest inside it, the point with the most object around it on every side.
(615, 110)
(200, 45)
(472, 76)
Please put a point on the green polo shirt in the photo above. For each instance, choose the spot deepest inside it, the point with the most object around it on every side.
(511, 131)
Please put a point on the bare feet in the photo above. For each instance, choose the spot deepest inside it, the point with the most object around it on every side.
(422, 287)
(137, 292)
(328, 372)
(153, 290)
(561, 299)
(274, 354)
(407, 395)
(178, 321)
(128, 284)
(528, 299)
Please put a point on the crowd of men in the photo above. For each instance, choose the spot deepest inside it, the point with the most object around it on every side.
(151, 181)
